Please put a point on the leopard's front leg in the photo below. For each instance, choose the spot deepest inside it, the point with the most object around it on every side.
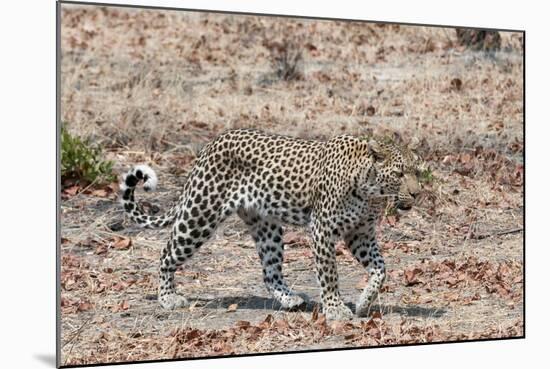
(363, 245)
(324, 250)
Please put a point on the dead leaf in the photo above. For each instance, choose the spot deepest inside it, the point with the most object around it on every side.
(340, 327)
(390, 245)
(376, 315)
(84, 306)
(231, 308)
(465, 158)
(242, 324)
(371, 328)
(366, 325)
(321, 325)
(321, 320)
(100, 192)
(101, 249)
(71, 191)
(465, 169)
(411, 276)
(315, 313)
(101, 337)
(197, 124)
(350, 337)
(187, 335)
(122, 243)
(451, 296)
(456, 84)
(114, 187)
(502, 271)
(122, 306)
(496, 126)
(267, 322)
(281, 325)
(452, 281)
(310, 47)
(448, 159)
(118, 286)
(291, 238)
(254, 332)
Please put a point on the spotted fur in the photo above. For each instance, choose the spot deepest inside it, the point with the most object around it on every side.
(336, 188)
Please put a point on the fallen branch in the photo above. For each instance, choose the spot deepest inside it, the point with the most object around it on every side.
(501, 233)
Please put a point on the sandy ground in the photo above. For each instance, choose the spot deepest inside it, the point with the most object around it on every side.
(153, 87)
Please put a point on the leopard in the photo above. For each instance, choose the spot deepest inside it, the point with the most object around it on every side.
(336, 188)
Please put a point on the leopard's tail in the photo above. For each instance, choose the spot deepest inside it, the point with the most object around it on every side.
(134, 210)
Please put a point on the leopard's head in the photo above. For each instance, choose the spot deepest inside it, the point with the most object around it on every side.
(398, 169)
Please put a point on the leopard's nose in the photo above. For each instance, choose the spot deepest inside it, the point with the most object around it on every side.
(414, 194)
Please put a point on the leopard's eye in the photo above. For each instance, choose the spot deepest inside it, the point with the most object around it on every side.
(398, 173)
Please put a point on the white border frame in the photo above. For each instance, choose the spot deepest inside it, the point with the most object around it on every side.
(28, 152)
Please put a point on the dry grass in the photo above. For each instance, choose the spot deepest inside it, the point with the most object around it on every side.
(154, 86)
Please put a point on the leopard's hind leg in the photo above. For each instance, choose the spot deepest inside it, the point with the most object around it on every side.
(195, 223)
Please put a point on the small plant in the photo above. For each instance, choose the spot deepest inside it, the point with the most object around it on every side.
(426, 176)
(83, 162)
(478, 39)
(391, 208)
(288, 62)
(386, 139)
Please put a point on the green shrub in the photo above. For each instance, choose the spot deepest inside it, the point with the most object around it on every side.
(391, 208)
(83, 162)
(426, 176)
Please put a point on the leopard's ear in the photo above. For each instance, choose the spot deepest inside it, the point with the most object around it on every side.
(414, 144)
(376, 150)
